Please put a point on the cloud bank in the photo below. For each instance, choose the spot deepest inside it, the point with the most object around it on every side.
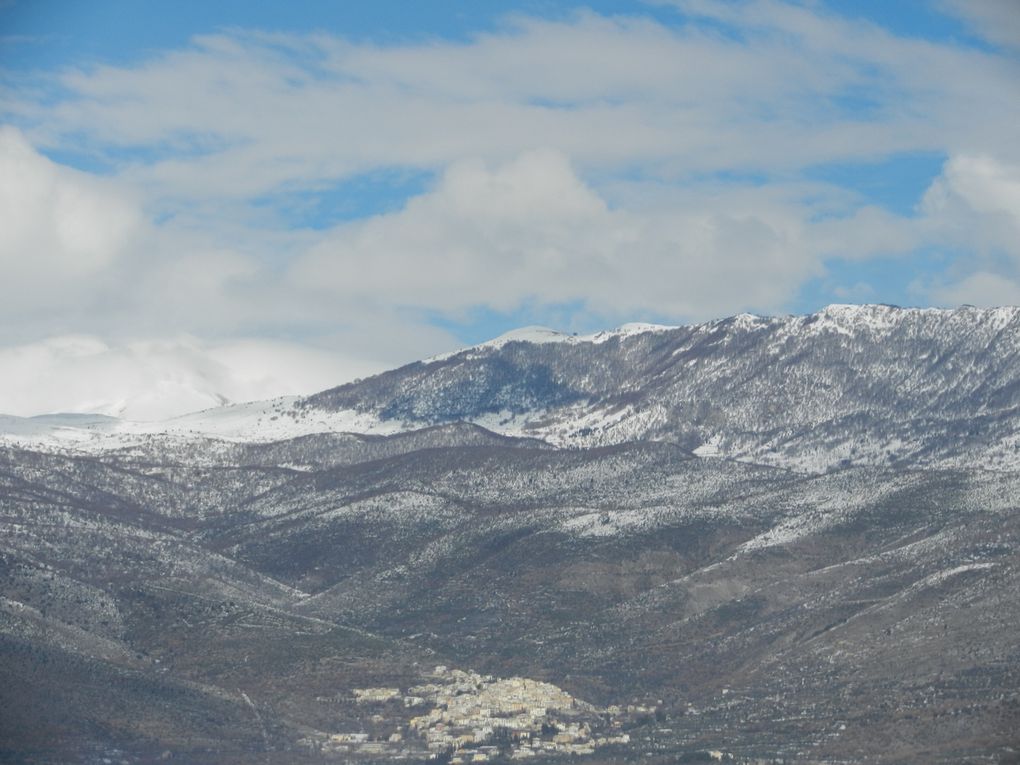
(159, 379)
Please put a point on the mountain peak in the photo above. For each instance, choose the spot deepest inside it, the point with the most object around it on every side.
(530, 334)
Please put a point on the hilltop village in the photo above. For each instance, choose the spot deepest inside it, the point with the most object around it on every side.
(462, 716)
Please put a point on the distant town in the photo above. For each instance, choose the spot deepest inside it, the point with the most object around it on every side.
(462, 716)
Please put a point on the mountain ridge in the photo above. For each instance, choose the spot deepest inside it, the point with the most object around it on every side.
(860, 376)
(850, 384)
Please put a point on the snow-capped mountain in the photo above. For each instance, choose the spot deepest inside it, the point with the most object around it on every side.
(847, 385)
(256, 582)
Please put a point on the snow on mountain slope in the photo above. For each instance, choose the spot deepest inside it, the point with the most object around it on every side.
(541, 335)
(259, 421)
(847, 385)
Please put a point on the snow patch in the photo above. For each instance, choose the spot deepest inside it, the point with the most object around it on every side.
(710, 448)
(257, 422)
(606, 524)
(542, 335)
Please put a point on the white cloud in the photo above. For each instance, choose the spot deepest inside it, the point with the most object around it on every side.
(975, 205)
(57, 226)
(982, 289)
(867, 233)
(530, 229)
(996, 20)
(982, 183)
(156, 380)
(235, 116)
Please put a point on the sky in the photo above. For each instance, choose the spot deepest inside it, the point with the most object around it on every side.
(210, 202)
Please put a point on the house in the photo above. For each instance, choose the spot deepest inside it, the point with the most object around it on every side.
(375, 695)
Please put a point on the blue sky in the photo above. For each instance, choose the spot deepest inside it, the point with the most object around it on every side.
(363, 184)
(124, 31)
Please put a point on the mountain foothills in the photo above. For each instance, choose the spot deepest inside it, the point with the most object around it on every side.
(752, 540)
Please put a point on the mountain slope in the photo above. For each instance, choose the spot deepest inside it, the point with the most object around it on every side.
(848, 385)
(228, 612)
